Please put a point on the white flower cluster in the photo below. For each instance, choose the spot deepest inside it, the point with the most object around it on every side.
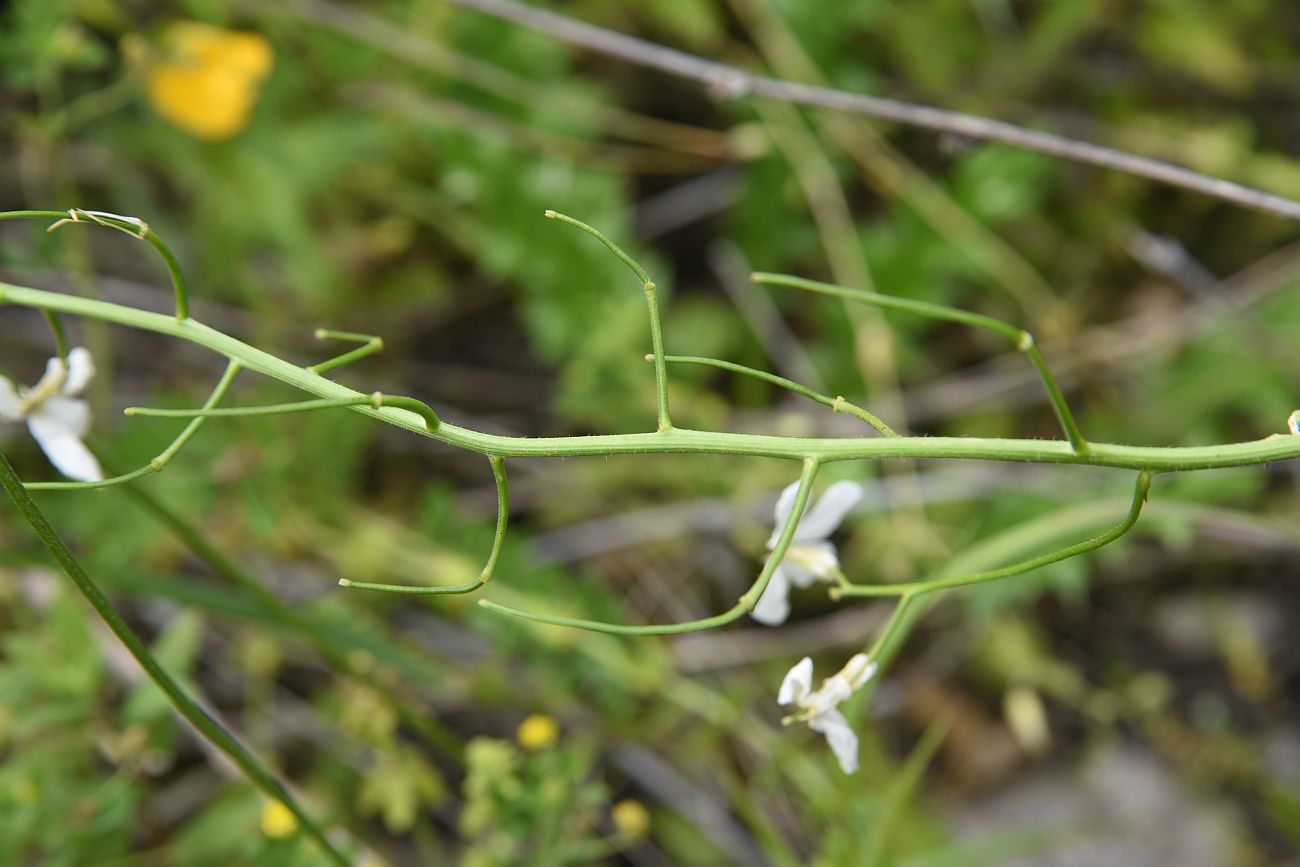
(54, 414)
(811, 557)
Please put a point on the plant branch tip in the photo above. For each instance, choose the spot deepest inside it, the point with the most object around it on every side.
(549, 214)
(139, 228)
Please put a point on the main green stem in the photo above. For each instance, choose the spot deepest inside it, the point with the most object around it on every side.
(185, 706)
(677, 440)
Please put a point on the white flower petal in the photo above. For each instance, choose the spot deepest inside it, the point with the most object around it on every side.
(66, 413)
(81, 367)
(859, 670)
(842, 739)
(10, 406)
(54, 370)
(59, 435)
(784, 506)
(827, 513)
(797, 683)
(773, 607)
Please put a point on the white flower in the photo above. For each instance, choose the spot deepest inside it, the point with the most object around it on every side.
(1293, 422)
(55, 417)
(819, 709)
(810, 557)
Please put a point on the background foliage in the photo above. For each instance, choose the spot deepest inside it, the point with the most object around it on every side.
(387, 175)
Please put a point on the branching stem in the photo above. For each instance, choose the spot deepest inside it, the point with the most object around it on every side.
(652, 304)
(678, 440)
(838, 404)
(372, 400)
(1020, 339)
(489, 569)
(60, 337)
(164, 457)
(741, 608)
(133, 226)
(1140, 492)
(372, 345)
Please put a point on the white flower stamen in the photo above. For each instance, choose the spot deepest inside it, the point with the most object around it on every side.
(811, 556)
(820, 708)
(56, 418)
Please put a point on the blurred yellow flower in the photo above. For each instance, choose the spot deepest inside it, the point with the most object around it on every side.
(206, 82)
(277, 821)
(538, 732)
(631, 818)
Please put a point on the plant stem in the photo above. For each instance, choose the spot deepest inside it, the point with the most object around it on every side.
(202, 722)
(742, 607)
(731, 82)
(60, 338)
(503, 517)
(372, 345)
(270, 409)
(498, 540)
(676, 441)
(652, 303)
(838, 404)
(135, 228)
(1140, 492)
(1022, 340)
(322, 635)
(156, 465)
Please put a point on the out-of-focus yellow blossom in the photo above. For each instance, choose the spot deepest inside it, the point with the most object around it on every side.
(631, 818)
(278, 821)
(206, 79)
(538, 732)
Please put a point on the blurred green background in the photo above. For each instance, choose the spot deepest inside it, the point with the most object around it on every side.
(383, 168)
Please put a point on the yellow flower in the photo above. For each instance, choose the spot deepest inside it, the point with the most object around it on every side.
(277, 821)
(538, 732)
(206, 83)
(631, 818)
